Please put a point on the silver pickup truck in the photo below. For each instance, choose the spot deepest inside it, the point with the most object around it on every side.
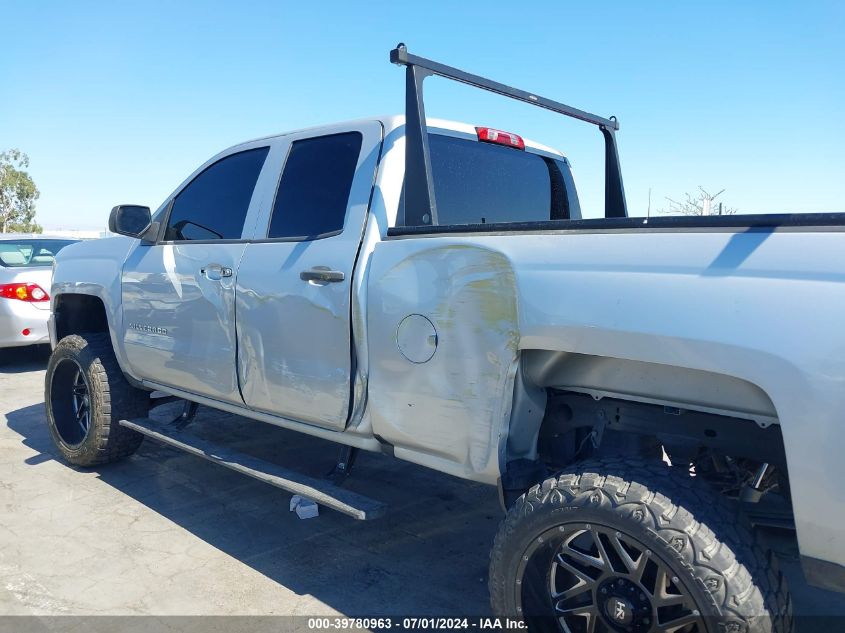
(644, 393)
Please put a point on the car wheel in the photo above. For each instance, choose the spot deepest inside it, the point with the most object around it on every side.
(633, 547)
(86, 395)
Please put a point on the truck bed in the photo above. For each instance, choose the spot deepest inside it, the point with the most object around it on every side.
(734, 315)
(763, 222)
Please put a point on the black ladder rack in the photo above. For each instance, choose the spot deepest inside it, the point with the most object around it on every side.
(420, 203)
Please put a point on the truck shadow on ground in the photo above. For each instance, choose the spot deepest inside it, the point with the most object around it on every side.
(20, 360)
(428, 555)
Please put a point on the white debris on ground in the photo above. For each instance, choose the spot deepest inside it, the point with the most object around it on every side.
(305, 508)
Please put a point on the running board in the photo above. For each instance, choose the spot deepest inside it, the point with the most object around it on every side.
(320, 491)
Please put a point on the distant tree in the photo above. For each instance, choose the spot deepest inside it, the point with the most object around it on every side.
(696, 204)
(18, 194)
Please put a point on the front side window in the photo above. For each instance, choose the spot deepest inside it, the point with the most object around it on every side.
(314, 188)
(214, 205)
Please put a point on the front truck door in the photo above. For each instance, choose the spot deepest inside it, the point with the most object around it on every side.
(294, 287)
(179, 294)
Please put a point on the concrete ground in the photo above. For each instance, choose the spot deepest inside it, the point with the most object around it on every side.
(165, 533)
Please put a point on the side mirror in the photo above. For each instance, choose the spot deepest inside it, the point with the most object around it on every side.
(132, 220)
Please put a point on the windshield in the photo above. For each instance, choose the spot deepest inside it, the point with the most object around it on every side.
(30, 252)
(483, 183)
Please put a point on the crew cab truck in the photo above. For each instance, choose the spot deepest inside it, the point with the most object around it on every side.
(642, 392)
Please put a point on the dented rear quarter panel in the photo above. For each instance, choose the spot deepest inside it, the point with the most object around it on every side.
(449, 411)
(762, 306)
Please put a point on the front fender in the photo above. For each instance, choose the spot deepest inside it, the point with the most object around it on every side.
(94, 268)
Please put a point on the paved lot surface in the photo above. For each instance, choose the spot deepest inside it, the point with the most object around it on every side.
(166, 533)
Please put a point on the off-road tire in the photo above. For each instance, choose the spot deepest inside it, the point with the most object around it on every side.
(111, 399)
(695, 531)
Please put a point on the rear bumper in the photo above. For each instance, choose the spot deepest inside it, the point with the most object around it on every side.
(17, 317)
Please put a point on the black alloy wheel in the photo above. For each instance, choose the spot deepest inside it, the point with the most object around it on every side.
(630, 545)
(71, 402)
(598, 579)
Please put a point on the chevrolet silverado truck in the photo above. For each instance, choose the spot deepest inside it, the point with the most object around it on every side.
(644, 393)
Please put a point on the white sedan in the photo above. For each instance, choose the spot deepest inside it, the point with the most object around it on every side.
(26, 270)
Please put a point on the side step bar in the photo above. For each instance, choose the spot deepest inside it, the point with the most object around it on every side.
(320, 491)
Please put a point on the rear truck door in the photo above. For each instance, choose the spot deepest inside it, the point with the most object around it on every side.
(294, 282)
(179, 293)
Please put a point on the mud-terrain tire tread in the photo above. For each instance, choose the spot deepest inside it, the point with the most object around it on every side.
(720, 541)
(112, 399)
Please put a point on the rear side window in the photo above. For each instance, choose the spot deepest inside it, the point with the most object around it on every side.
(480, 183)
(315, 184)
(214, 205)
(25, 253)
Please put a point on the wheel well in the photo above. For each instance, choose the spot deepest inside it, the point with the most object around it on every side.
(574, 422)
(739, 458)
(643, 381)
(77, 313)
(734, 435)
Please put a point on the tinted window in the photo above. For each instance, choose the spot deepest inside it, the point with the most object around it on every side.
(478, 183)
(214, 205)
(314, 189)
(38, 252)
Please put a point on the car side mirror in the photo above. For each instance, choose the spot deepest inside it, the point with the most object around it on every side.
(133, 220)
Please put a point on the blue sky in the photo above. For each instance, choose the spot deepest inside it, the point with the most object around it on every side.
(116, 102)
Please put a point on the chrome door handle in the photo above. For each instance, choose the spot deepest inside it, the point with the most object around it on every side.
(322, 273)
(216, 272)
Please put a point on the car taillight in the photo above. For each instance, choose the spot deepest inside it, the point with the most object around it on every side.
(508, 139)
(24, 292)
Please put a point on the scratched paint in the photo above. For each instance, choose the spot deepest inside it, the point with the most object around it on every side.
(454, 405)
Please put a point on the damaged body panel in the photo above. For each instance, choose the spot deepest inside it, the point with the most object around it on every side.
(704, 322)
(303, 370)
(449, 403)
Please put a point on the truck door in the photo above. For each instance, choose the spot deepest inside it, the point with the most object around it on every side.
(294, 285)
(179, 294)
